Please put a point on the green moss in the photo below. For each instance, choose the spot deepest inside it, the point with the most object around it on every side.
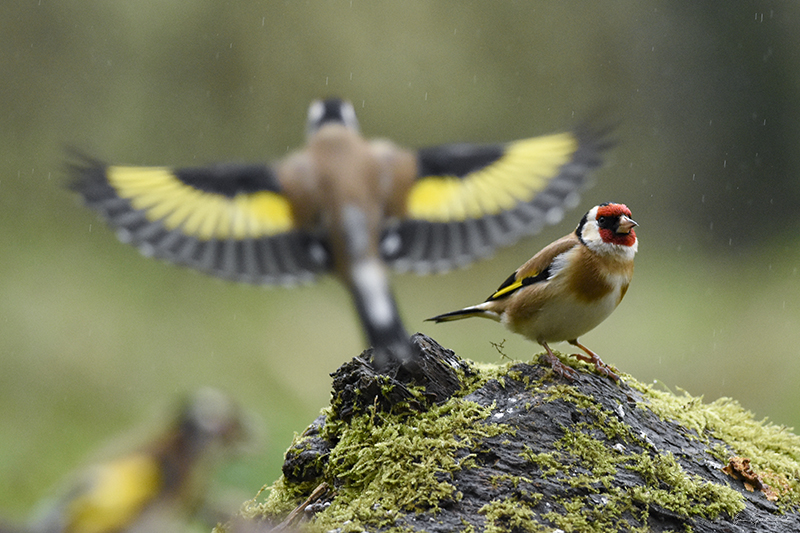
(549, 463)
(372, 460)
(592, 452)
(774, 451)
(511, 515)
(599, 516)
(568, 393)
(669, 486)
(282, 498)
(385, 465)
(370, 464)
(468, 528)
(666, 484)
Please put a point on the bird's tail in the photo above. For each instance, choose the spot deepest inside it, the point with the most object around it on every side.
(471, 311)
(379, 316)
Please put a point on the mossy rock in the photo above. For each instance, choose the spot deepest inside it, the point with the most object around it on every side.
(513, 447)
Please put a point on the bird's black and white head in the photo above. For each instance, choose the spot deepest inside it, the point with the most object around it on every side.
(608, 229)
(331, 110)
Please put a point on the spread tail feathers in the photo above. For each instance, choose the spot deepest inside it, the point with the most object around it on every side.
(467, 312)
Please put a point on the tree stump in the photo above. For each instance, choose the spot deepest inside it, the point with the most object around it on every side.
(513, 447)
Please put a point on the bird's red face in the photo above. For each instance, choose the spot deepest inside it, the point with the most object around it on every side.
(615, 224)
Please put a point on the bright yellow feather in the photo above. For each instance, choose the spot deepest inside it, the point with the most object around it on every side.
(161, 196)
(505, 290)
(119, 491)
(522, 171)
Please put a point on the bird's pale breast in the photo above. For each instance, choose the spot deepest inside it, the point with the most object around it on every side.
(576, 299)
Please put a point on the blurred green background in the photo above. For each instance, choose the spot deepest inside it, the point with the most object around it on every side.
(94, 338)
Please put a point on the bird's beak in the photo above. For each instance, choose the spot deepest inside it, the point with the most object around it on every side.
(626, 224)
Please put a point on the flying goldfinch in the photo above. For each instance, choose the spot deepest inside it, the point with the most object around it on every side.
(568, 288)
(346, 205)
(160, 486)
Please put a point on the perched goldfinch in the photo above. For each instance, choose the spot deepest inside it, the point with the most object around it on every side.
(158, 487)
(569, 287)
(346, 205)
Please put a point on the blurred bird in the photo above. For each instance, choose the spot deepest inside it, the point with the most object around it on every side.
(160, 486)
(346, 205)
(568, 288)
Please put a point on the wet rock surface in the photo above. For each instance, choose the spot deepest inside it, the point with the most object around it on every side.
(583, 455)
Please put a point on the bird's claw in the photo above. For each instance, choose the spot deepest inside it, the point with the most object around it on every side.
(560, 368)
(599, 366)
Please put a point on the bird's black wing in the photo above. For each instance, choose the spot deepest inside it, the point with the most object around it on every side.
(469, 199)
(228, 220)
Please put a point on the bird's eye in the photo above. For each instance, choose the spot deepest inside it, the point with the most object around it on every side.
(601, 221)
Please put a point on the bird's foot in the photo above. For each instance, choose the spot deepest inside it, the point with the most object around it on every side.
(593, 358)
(560, 368)
(599, 366)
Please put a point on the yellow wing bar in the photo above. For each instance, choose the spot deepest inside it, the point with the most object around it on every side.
(160, 194)
(524, 169)
(508, 289)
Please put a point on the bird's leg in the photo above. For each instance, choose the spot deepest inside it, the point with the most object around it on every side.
(559, 367)
(593, 358)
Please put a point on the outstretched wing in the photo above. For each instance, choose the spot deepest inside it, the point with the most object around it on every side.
(469, 200)
(228, 220)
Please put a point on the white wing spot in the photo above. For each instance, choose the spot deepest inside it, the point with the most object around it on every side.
(554, 216)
